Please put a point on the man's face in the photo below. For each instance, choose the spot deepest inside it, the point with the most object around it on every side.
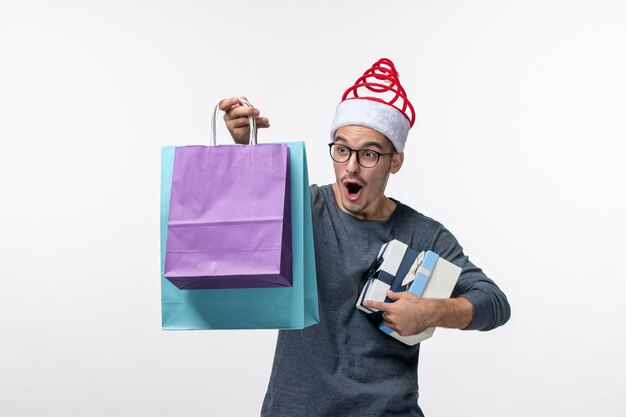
(360, 191)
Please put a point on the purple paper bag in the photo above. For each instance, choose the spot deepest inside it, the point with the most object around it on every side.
(230, 217)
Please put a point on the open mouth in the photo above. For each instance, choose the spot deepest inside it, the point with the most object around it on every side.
(353, 190)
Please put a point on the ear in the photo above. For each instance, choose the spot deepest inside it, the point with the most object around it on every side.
(396, 162)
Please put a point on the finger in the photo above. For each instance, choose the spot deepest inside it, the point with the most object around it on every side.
(393, 295)
(390, 325)
(262, 122)
(228, 103)
(243, 124)
(379, 305)
(401, 332)
(241, 111)
(237, 123)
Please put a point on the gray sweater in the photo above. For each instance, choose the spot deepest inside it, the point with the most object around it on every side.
(345, 366)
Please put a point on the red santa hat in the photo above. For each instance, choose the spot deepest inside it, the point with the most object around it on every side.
(378, 101)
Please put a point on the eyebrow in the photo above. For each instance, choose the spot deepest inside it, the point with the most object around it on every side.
(365, 145)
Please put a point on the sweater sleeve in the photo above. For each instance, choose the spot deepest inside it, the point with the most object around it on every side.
(491, 307)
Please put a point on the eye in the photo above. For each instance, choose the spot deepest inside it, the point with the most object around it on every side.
(368, 154)
(342, 150)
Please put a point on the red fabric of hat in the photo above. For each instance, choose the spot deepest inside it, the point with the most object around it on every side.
(377, 100)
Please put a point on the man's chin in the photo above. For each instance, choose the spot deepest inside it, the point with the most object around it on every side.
(354, 208)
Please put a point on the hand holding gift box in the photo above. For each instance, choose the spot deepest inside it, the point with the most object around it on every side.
(425, 274)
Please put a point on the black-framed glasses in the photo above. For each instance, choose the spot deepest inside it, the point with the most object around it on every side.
(367, 158)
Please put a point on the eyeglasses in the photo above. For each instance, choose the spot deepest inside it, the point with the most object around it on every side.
(367, 158)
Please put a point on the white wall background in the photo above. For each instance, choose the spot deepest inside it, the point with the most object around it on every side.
(518, 149)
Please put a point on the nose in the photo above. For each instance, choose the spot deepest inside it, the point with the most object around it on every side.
(352, 165)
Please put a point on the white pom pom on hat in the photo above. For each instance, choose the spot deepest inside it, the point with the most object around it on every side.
(378, 101)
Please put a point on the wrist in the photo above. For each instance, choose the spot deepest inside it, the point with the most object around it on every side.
(455, 313)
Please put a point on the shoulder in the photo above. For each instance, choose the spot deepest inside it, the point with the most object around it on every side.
(430, 232)
(320, 194)
(315, 190)
(409, 215)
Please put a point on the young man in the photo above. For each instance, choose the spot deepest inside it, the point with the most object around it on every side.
(345, 366)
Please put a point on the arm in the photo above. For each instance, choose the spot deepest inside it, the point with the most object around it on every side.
(410, 314)
(491, 308)
(236, 118)
(476, 302)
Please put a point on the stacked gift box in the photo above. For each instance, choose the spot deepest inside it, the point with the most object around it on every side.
(400, 268)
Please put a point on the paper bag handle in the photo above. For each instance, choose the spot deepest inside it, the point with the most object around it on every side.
(251, 120)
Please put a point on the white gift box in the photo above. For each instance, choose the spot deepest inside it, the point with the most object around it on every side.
(394, 259)
(430, 277)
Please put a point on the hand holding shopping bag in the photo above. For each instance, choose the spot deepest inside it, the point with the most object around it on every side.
(229, 219)
(248, 308)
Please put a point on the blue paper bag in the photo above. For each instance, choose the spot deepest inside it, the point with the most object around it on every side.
(248, 308)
